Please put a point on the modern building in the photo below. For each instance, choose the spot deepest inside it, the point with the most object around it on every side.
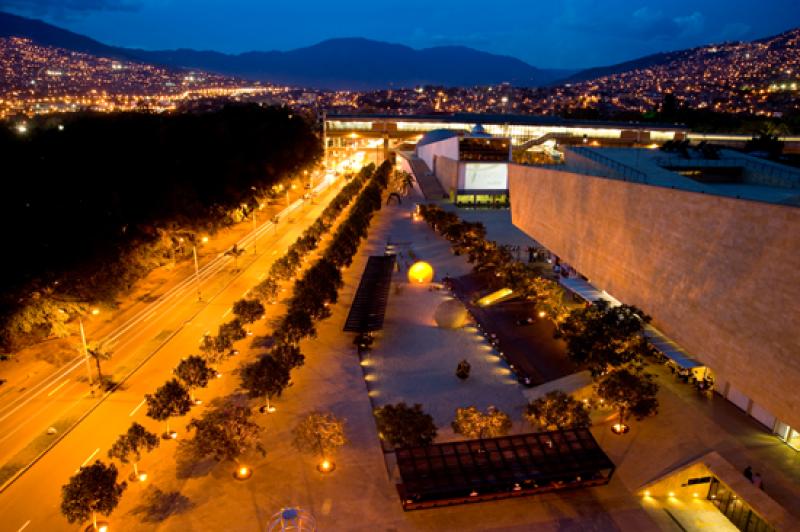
(378, 136)
(472, 168)
(706, 242)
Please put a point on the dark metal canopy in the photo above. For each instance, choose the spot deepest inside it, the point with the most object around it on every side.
(496, 468)
(369, 304)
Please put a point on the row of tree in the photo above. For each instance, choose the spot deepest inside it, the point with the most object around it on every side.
(401, 425)
(527, 280)
(225, 432)
(607, 340)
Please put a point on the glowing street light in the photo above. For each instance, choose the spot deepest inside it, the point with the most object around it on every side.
(326, 466)
(243, 473)
(620, 428)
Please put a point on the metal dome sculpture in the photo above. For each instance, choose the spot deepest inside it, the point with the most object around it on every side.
(293, 519)
(450, 314)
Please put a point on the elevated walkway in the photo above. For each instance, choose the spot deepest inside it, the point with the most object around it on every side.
(428, 184)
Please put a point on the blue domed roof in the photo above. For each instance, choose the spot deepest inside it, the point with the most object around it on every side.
(436, 135)
(478, 131)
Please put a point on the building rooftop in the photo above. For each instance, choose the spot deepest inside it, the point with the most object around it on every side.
(729, 173)
(533, 120)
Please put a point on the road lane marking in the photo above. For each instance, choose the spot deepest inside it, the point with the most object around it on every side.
(261, 277)
(88, 459)
(137, 407)
(274, 252)
(227, 312)
(23, 527)
(54, 390)
(244, 294)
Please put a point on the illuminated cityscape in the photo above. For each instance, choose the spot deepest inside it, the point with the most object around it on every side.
(458, 282)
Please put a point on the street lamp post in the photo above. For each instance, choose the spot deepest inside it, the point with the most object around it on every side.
(255, 233)
(197, 266)
(196, 272)
(85, 352)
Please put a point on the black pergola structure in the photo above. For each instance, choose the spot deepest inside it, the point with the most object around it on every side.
(369, 304)
(471, 471)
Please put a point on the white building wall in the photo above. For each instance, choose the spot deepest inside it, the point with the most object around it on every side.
(444, 148)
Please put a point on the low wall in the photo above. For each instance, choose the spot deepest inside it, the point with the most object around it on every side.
(720, 276)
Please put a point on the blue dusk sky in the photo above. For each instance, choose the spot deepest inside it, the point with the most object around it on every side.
(554, 33)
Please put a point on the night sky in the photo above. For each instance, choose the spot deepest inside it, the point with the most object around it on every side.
(554, 33)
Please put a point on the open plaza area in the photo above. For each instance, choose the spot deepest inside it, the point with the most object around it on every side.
(413, 360)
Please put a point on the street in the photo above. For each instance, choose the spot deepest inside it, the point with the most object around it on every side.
(153, 342)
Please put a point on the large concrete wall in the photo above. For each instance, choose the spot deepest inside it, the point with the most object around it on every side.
(721, 276)
(447, 170)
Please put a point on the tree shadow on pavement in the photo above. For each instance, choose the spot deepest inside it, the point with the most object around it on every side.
(189, 464)
(157, 505)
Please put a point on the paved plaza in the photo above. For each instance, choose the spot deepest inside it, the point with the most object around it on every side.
(415, 361)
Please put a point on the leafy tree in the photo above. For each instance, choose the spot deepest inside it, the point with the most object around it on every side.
(99, 354)
(266, 377)
(214, 348)
(557, 410)
(232, 331)
(295, 325)
(171, 399)
(599, 336)
(319, 433)
(266, 290)
(463, 369)
(92, 490)
(131, 444)
(235, 252)
(248, 310)
(630, 392)
(225, 432)
(472, 423)
(404, 426)
(194, 372)
(288, 355)
(549, 296)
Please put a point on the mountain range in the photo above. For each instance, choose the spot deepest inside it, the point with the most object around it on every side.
(347, 63)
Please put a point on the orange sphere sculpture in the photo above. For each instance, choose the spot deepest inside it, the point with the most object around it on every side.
(420, 273)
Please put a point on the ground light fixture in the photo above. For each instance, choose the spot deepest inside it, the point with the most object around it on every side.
(142, 476)
(326, 466)
(542, 314)
(620, 428)
(242, 473)
(100, 526)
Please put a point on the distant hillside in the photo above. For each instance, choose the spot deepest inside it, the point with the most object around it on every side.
(352, 63)
(634, 64)
(786, 40)
(48, 35)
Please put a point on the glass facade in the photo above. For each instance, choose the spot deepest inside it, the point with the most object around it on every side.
(735, 509)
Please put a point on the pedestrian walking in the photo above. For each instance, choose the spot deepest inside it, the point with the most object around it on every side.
(748, 473)
(757, 481)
